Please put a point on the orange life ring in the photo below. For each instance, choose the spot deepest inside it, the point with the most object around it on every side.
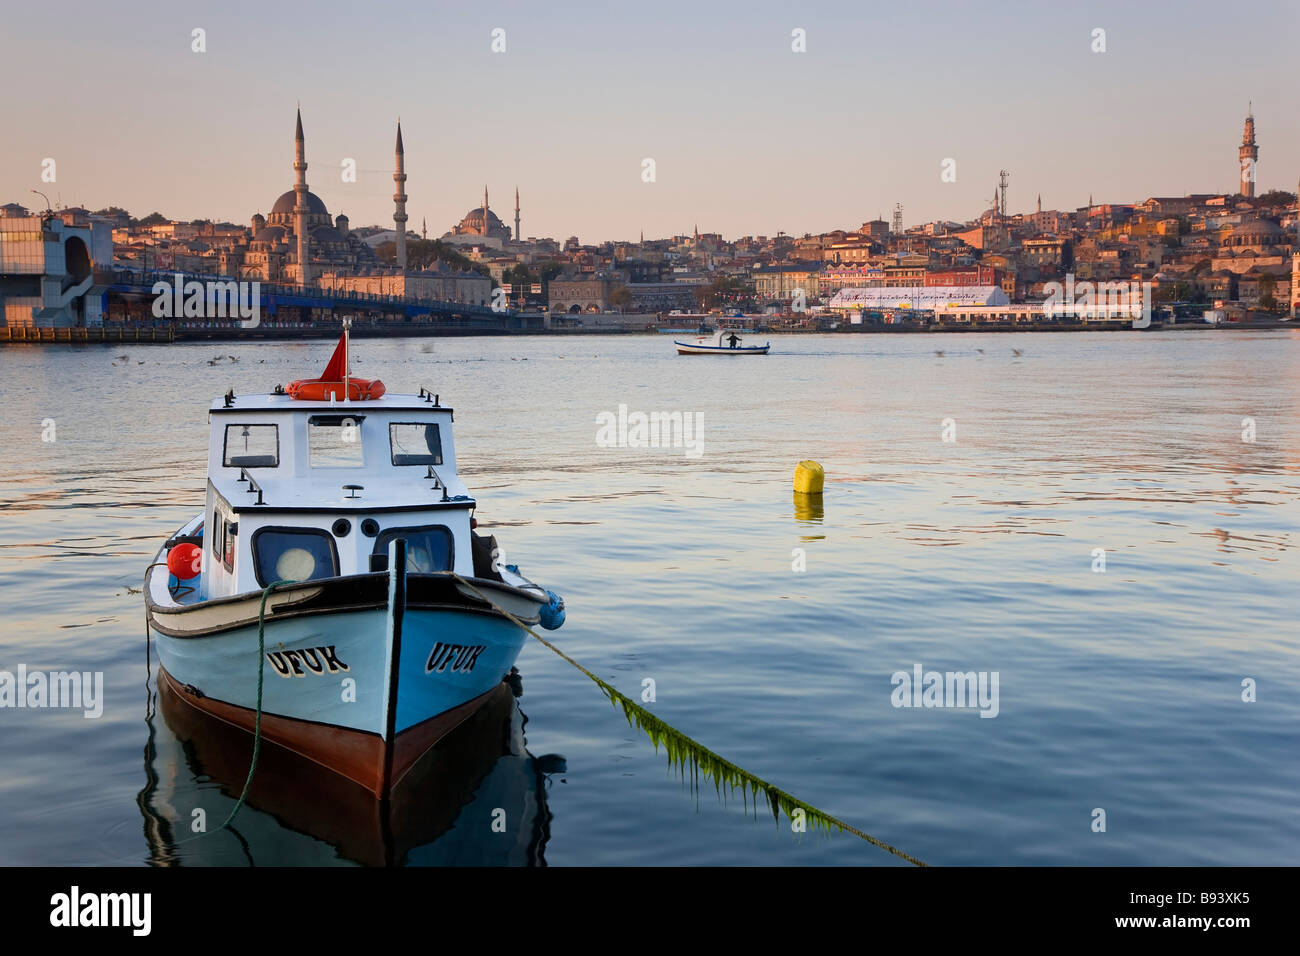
(319, 390)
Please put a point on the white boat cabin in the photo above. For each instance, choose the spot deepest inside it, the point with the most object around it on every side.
(300, 490)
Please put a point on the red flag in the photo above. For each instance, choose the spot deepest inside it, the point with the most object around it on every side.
(338, 365)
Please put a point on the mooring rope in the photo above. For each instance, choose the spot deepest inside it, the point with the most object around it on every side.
(722, 770)
(257, 720)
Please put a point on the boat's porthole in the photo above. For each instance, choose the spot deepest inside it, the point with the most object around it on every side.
(296, 564)
(342, 528)
(370, 527)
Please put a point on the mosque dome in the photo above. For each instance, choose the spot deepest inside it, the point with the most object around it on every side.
(473, 221)
(1257, 232)
(286, 203)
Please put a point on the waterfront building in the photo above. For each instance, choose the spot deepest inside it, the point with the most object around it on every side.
(906, 270)
(834, 278)
(917, 297)
(1047, 253)
(978, 275)
(592, 292)
(48, 269)
(853, 249)
(985, 237)
(783, 280)
(663, 296)
(439, 282)
(1178, 205)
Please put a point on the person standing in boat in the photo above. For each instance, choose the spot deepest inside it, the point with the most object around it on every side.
(733, 340)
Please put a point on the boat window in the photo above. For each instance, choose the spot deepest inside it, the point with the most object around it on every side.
(218, 523)
(252, 446)
(334, 441)
(415, 443)
(428, 549)
(293, 554)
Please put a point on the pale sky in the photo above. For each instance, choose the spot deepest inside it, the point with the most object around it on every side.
(748, 137)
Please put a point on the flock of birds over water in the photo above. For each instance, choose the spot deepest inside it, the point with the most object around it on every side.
(126, 359)
(1016, 352)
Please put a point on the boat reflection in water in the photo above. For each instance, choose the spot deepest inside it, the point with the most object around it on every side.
(299, 813)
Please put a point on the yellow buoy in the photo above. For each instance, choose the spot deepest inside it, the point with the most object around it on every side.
(808, 478)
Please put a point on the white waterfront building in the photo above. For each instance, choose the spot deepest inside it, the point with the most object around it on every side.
(47, 269)
(918, 297)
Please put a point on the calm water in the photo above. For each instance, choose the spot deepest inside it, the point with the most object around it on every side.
(1118, 690)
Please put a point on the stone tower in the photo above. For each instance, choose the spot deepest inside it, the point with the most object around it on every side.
(399, 201)
(1248, 153)
(485, 210)
(518, 234)
(300, 204)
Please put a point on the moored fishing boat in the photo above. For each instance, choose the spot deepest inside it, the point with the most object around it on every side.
(722, 342)
(334, 584)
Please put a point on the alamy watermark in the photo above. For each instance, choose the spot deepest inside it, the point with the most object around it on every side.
(127, 910)
(212, 299)
(626, 429)
(946, 689)
(54, 689)
(1099, 300)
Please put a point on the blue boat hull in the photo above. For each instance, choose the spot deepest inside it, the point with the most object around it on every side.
(364, 692)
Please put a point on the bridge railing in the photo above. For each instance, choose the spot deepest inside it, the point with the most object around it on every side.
(326, 297)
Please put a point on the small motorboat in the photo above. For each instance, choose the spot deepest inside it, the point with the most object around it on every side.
(334, 590)
(722, 342)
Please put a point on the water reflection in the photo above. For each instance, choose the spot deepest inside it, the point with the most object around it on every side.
(808, 511)
(299, 813)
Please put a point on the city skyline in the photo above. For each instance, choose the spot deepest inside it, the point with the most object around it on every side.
(576, 102)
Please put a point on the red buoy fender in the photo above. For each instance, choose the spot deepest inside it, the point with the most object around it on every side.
(185, 561)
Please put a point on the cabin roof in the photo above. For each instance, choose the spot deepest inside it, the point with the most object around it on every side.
(285, 403)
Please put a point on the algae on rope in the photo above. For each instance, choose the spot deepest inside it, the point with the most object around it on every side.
(685, 752)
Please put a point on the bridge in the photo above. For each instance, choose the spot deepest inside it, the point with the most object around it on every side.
(129, 296)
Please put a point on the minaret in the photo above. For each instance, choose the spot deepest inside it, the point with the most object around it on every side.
(300, 204)
(1248, 153)
(1040, 202)
(399, 201)
(424, 229)
(485, 210)
(518, 235)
